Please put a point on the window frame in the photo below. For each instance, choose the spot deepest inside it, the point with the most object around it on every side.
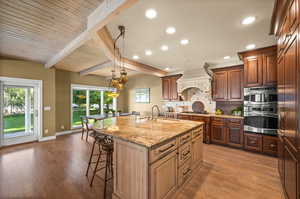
(89, 88)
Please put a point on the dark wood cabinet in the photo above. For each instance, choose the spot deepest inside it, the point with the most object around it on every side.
(220, 86)
(218, 133)
(270, 68)
(235, 85)
(169, 87)
(228, 84)
(290, 173)
(253, 142)
(270, 145)
(280, 157)
(253, 67)
(235, 135)
(285, 26)
(227, 131)
(166, 89)
(260, 67)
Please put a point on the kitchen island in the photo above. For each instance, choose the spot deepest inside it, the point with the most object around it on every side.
(152, 158)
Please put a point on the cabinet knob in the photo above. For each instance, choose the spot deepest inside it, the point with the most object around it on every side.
(272, 145)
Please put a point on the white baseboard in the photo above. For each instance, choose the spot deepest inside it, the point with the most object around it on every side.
(67, 132)
(48, 138)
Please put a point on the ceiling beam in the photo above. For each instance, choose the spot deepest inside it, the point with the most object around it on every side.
(105, 41)
(97, 67)
(101, 16)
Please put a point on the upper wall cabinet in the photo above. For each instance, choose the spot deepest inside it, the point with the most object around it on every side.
(260, 67)
(169, 87)
(228, 84)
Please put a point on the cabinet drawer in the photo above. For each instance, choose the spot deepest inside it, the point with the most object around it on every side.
(233, 121)
(253, 142)
(218, 120)
(185, 152)
(270, 145)
(183, 117)
(197, 132)
(185, 138)
(185, 172)
(163, 150)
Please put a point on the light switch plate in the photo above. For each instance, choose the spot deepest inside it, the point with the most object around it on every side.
(47, 108)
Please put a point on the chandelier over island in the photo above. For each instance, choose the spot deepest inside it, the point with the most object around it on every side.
(118, 82)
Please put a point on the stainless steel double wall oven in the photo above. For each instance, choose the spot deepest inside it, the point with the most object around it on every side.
(260, 110)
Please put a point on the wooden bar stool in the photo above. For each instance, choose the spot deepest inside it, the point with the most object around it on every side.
(105, 155)
(86, 127)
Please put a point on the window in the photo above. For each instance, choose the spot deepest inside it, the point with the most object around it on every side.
(89, 100)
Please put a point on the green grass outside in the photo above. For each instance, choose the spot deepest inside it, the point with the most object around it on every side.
(14, 123)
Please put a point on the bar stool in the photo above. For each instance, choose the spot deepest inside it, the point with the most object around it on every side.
(86, 127)
(106, 148)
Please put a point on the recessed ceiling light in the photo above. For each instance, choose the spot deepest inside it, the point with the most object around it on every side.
(151, 13)
(135, 57)
(184, 41)
(170, 30)
(248, 20)
(250, 46)
(164, 48)
(167, 68)
(148, 52)
(227, 57)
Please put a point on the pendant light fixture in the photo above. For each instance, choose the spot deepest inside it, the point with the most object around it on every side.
(118, 82)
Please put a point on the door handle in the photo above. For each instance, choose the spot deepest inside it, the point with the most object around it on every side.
(36, 113)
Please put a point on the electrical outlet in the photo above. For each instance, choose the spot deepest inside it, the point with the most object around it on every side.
(62, 127)
(46, 131)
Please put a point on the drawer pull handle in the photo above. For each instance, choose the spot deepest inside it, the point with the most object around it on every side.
(166, 149)
(252, 142)
(272, 145)
(186, 153)
(186, 172)
(185, 138)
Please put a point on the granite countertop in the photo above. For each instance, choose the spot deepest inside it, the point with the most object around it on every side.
(144, 132)
(213, 115)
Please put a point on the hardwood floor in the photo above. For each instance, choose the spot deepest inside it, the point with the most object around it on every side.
(56, 169)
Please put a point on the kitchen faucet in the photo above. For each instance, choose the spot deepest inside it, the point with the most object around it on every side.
(158, 112)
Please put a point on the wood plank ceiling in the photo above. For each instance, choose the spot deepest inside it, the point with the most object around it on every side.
(37, 29)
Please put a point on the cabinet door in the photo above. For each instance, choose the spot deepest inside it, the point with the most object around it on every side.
(253, 142)
(220, 86)
(235, 135)
(253, 71)
(280, 158)
(235, 85)
(290, 173)
(270, 69)
(280, 92)
(290, 84)
(166, 88)
(218, 133)
(173, 88)
(163, 182)
(197, 151)
(270, 145)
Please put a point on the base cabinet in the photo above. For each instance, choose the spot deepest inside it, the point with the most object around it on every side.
(197, 151)
(175, 164)
(253, 142)
(235, 135)
(290, 173)
(218, 133)
(227, 131)
(163, 180)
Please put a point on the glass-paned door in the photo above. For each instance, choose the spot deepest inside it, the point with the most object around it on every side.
(19, 113)
(79, 101)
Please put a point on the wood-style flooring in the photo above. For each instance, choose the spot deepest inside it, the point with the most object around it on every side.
(56, 170)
